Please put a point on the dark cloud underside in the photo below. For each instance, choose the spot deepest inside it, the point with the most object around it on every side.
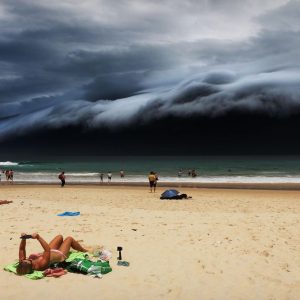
(119, 70)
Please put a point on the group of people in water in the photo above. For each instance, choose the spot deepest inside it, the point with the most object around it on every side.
(152, 177)
(62, 177)
(109, 176)
(9, 175)
(190, 173)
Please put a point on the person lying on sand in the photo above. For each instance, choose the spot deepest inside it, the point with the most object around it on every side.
(5, 202)
(54, 252)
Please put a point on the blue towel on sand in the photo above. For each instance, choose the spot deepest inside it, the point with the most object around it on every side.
(69, 214)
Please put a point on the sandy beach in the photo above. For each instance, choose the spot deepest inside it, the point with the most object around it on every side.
(221, 244)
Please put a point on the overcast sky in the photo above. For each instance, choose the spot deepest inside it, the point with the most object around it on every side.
(103, 63)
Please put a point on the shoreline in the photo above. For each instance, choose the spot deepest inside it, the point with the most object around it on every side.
(234, 186)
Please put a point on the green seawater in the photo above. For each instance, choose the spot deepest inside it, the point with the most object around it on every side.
(166, 165)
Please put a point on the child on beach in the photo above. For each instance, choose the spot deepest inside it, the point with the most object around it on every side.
(56, 251)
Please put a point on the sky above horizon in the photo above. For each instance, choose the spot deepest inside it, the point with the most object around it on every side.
(102, 64)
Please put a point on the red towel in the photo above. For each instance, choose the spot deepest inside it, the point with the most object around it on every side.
(56, 272)
(5, 202)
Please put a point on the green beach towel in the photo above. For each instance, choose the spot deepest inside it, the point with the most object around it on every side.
(87, 266)
(75, 255)
(34, 275)
(72, 257)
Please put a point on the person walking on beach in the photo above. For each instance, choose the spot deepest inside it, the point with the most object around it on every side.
(122, 174)
(54, 252)
(62, 178)
(152, 181)
(101, 177)
(194, 174)
(109, 176)
(7, 175)
(11, 175)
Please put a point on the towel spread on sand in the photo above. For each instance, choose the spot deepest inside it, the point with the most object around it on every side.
(34, 275)
(39, 274)
(69, 214)
(76, 255)
(89, 267)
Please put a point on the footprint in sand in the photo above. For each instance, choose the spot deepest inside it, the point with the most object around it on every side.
(285, 267)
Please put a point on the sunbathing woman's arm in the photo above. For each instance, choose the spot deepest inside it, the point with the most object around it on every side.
(22, 250)
(42, 264)
(43, 243)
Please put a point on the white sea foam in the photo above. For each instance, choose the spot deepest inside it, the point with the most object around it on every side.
(8, 163)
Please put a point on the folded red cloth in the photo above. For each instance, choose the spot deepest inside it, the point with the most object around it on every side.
(56, 272)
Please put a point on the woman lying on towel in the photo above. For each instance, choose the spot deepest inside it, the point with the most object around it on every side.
(54, 252)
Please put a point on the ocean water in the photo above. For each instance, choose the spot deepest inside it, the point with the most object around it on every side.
(239, 169)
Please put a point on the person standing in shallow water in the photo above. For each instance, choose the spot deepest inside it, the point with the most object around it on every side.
(109, 176)
(62, 178)
(101, 177)
(11, 175)
(7, 175)
(194, 174)
(152, 181)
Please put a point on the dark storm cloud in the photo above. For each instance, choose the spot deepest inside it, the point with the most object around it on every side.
(64, 66)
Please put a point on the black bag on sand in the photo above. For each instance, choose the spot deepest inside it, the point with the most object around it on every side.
(180, 197)
(177, 197)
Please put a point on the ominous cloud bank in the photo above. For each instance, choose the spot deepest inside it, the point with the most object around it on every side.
(104, 64)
